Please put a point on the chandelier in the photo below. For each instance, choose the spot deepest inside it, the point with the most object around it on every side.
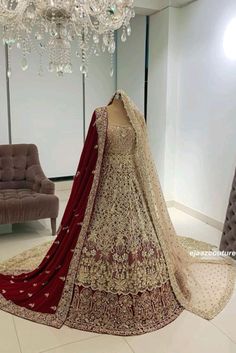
(61, 27)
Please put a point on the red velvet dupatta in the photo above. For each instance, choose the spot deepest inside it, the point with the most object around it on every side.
(44, 295)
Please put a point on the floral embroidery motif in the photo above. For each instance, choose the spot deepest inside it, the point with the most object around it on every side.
(130, 314)
(122, 253)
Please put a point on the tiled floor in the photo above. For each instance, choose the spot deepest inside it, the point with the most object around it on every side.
(188, 333)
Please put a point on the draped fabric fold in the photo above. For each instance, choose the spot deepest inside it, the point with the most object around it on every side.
(44, 295)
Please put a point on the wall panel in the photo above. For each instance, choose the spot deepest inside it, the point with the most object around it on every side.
(3, 99)
(99, 85)
(47, 111)
(206, 127)
(131, 61)
(157, 87)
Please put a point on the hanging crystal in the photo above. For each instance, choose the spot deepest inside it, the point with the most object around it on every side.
(96, 50)
(60, 73)
(38, 36)
(63, 32)
(68, 68)
(111, 65)
(106, 39)
(53, 30)
(128, 30)
(24, 63)
(30, 12)
(111, 71)
(9, 72)
(52, 26)
(112, 45)
(51, 67)
(96, 38)
(9, 65)
(123, 36)
(84, 69)
(40, 72)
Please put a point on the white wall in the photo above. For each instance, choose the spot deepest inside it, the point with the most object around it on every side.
(157, 88)
(192, 106)
(206, 127)
(3, 99)
(163, 94)
(47, 111)
(99, 85)
(172, 99)
(131, 61)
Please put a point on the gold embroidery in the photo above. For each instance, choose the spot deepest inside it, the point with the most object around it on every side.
(130, 314)
(121, 253)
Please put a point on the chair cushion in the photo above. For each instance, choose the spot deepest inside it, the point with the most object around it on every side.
(20, 205)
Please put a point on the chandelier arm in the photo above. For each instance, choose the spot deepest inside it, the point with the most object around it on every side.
(54, 24)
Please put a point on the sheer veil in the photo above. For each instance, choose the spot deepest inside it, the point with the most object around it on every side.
(202, 286)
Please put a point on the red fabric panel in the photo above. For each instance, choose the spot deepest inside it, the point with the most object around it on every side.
(41, 289)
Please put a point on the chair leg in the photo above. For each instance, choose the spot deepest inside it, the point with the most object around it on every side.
(54, 225)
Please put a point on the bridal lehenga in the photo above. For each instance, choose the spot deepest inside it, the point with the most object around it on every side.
(116, 265)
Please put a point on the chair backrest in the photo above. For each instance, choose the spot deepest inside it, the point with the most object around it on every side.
(15, 159)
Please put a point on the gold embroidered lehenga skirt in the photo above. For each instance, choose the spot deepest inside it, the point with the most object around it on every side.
(122, 285)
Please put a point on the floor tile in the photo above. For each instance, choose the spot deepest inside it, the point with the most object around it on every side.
(64, 195)
(226, 320)
(189, 226)
(188, 333)
(43, 337)
(8, 338)
(63, 185)
(101, 344)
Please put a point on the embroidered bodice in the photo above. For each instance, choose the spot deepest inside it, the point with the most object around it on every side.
(120, 139)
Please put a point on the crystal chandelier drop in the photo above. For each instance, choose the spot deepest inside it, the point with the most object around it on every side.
(51, 26)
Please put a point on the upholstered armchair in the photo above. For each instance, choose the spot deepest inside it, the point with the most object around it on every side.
(25, 192)
(228, 240)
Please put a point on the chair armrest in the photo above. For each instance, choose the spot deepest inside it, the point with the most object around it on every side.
(47, 187)
(39, 182)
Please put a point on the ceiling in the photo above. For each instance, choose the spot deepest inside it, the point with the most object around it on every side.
(147, 7)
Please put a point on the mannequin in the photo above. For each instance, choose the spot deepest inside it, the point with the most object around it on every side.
(117, 114)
